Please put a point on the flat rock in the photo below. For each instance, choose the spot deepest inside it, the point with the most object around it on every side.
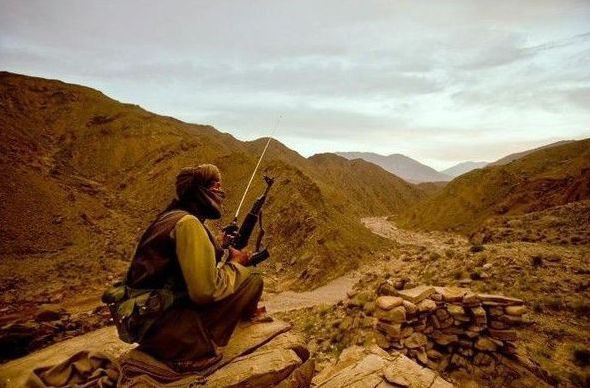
(397, 380)
(245, 340)
(498, 300)
(487, 344)
(391, 329)
(426, 305)
(505, 335)
(471, 298)
(445, 339)
(416, 294)
(396, 314)
(410, 307)
(455, 309)
(388, 302)
(452, 294)
(359, 368)
(515, 310)
(262, 368)
(415, 340)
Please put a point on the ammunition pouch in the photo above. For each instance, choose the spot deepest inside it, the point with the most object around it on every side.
(135, 310)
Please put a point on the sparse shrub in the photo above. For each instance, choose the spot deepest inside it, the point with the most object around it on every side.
(475, 275)
(537, 261)
(554, 303)
(581, 356)
(457, 275)
(476, 248)
(538, 307)
(434, 256)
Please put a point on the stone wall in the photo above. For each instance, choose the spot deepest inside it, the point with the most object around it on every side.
(443, 327)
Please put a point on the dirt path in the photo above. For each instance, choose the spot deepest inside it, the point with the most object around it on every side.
(331, 293)
(433, 240)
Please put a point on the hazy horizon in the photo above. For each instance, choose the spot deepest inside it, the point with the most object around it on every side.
(452, 82)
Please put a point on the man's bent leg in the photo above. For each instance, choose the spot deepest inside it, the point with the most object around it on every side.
(222, 317)
(178, 335)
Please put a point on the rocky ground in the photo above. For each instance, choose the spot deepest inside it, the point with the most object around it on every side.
(551, 278)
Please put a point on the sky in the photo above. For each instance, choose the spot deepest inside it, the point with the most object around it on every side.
(439, 81)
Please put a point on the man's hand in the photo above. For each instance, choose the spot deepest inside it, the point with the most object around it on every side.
(241, 257)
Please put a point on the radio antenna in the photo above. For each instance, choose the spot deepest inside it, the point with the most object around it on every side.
(257, 165)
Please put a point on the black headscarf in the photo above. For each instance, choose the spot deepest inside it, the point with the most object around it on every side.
(194, 192)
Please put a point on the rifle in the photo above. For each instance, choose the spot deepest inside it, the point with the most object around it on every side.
(238, 236)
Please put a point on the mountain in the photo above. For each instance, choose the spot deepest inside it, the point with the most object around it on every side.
(81, 175)
(400, 165)
(543, 179)
(509, 158)
(462, 168)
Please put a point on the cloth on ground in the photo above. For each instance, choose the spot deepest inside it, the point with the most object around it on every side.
(139, 369)
(83, 369)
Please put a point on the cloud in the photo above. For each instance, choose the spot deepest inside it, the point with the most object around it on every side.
(385, 76)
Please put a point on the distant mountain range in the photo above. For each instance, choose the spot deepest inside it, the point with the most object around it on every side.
(404, 167)
(413, 171)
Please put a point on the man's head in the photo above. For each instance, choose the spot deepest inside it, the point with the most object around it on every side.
(199, 190)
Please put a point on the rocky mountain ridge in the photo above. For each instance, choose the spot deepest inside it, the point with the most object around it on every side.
(405, 167)
(81, 175)
(543, 179)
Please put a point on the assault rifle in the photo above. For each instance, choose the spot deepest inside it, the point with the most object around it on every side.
(238, 236)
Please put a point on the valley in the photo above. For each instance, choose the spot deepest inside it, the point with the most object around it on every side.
(81, 175)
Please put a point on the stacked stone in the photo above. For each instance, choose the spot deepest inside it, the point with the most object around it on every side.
(438, 326)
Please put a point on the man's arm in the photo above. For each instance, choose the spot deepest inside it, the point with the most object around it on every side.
(205, 282)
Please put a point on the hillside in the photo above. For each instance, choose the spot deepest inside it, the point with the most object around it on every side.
(463, 168)
(81, 175)
(406, 168)
(543, 179)
(517, 155)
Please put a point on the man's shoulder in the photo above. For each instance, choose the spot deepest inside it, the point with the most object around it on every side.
(189, 221)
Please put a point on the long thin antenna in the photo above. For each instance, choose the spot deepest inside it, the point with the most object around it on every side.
(256, 168)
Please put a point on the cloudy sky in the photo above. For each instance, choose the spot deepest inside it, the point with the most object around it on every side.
(439, 81)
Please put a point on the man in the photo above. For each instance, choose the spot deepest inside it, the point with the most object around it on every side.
(178, 252)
